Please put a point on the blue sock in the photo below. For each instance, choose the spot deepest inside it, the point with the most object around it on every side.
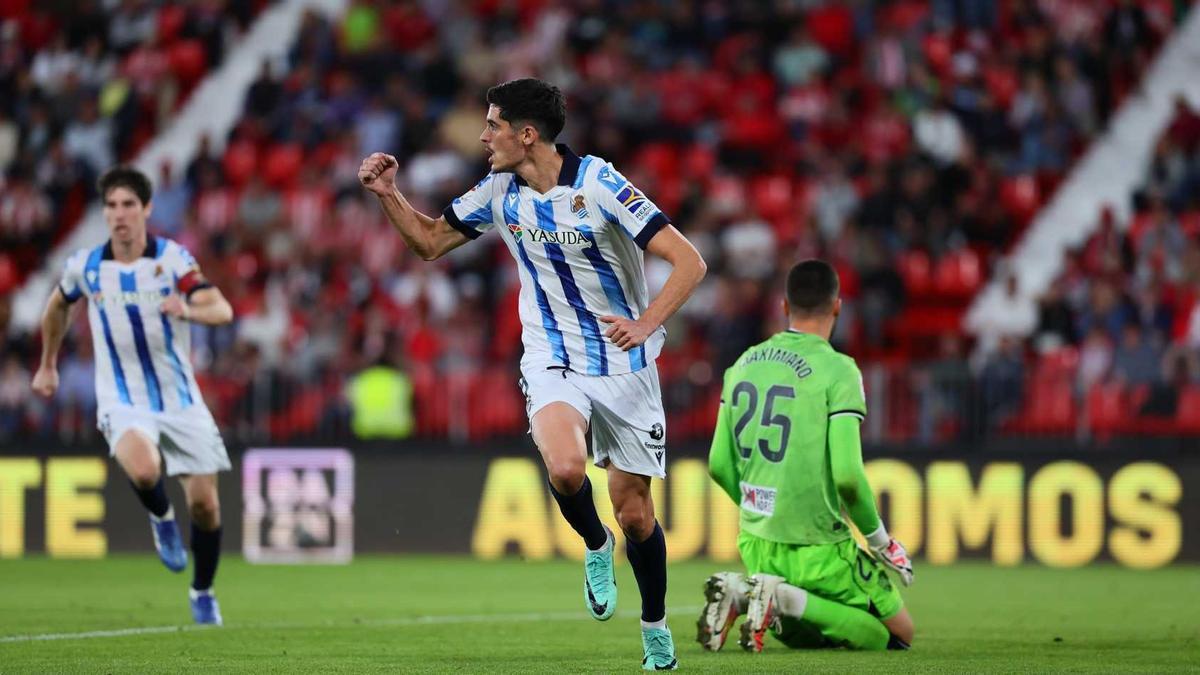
(206, 549)
(649, 562)
(154, 498)
(580, 512)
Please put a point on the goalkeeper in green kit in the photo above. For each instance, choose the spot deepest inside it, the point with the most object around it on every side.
(787, 450)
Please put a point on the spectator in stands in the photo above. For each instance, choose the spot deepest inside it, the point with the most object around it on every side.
(10, 140)
(944, 389)
(1106, 311)
(1055, 326)
(1136, 360)
(172, 199)
(1095, 359)
(380, 399)
(24, 213)
(938, 132)
(1001, 382)
(14, 392)
(799, 60)
(90, 138)
(1012, 319)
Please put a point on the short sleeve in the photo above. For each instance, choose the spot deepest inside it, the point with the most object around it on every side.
(847, 396)
(623, 204)
(184, 269)
(71, 284)
(471, 213)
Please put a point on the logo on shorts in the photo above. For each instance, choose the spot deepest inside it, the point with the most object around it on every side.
(656, 431)
(758, 499)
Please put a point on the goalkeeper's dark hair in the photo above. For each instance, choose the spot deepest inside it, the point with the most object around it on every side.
(812, 287)
(127, 177)
(533, 102)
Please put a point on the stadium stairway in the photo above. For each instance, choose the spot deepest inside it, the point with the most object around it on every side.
(1106, 175)
(214, 107)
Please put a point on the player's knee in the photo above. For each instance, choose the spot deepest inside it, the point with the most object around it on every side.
(635, 520)
(566, 475)
(144, 476)
(205, 512)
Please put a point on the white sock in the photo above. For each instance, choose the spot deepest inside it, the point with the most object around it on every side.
(791, 600)
(169, 515)
(661, 623)
(741, 597)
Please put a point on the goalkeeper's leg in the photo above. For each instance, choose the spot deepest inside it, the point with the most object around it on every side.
(802, 619)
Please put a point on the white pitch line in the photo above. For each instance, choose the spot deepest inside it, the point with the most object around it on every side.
(435, 619)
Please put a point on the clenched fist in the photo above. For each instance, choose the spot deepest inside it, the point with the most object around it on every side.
(45, 381)
(378, 173)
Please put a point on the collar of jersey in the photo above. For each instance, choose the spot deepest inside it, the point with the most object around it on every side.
(801, 333)
(568, 172)
(150, 252)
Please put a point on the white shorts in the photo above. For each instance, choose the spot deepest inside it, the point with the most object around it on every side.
(624, 411)
(189, 441)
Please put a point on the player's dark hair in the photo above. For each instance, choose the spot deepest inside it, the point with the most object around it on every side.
(533, 102)
(127, 177)
(812, 286)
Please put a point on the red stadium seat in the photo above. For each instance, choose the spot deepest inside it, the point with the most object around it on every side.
(1020, 197)
(188, 61)
(170, 22)
(1050, 406)
(959, 274)
(281, 165)
(1107, 408)
(240, 162)
(914, 269)
(1187, 414)
(772, 197)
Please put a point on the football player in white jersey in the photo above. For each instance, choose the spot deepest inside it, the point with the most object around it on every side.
(142, 291)
(577, 229)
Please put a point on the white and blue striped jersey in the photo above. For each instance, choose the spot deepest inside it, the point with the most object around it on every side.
(579, 251)
(142, 355)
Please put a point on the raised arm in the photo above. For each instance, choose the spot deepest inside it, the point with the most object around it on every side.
(54, 326)
(430, 238)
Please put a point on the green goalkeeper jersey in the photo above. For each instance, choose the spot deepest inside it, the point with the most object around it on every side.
(786, 445)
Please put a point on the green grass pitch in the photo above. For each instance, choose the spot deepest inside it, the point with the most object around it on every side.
(436, 614)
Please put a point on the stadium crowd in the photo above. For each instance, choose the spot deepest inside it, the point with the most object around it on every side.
(879, 135)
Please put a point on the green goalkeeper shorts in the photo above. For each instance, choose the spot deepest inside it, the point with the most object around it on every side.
(840, 572)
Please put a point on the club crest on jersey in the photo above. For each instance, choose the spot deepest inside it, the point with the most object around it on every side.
(579, 206)
(158, 270)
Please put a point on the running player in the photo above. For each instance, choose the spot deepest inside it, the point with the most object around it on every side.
(577, 229)
(142, 291)
(787, 450)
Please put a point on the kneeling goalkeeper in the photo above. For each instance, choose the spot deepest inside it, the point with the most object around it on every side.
(787, 450)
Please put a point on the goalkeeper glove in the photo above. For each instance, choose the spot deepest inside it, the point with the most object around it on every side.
(891, 553)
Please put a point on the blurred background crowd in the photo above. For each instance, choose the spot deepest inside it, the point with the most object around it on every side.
(909, 142)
